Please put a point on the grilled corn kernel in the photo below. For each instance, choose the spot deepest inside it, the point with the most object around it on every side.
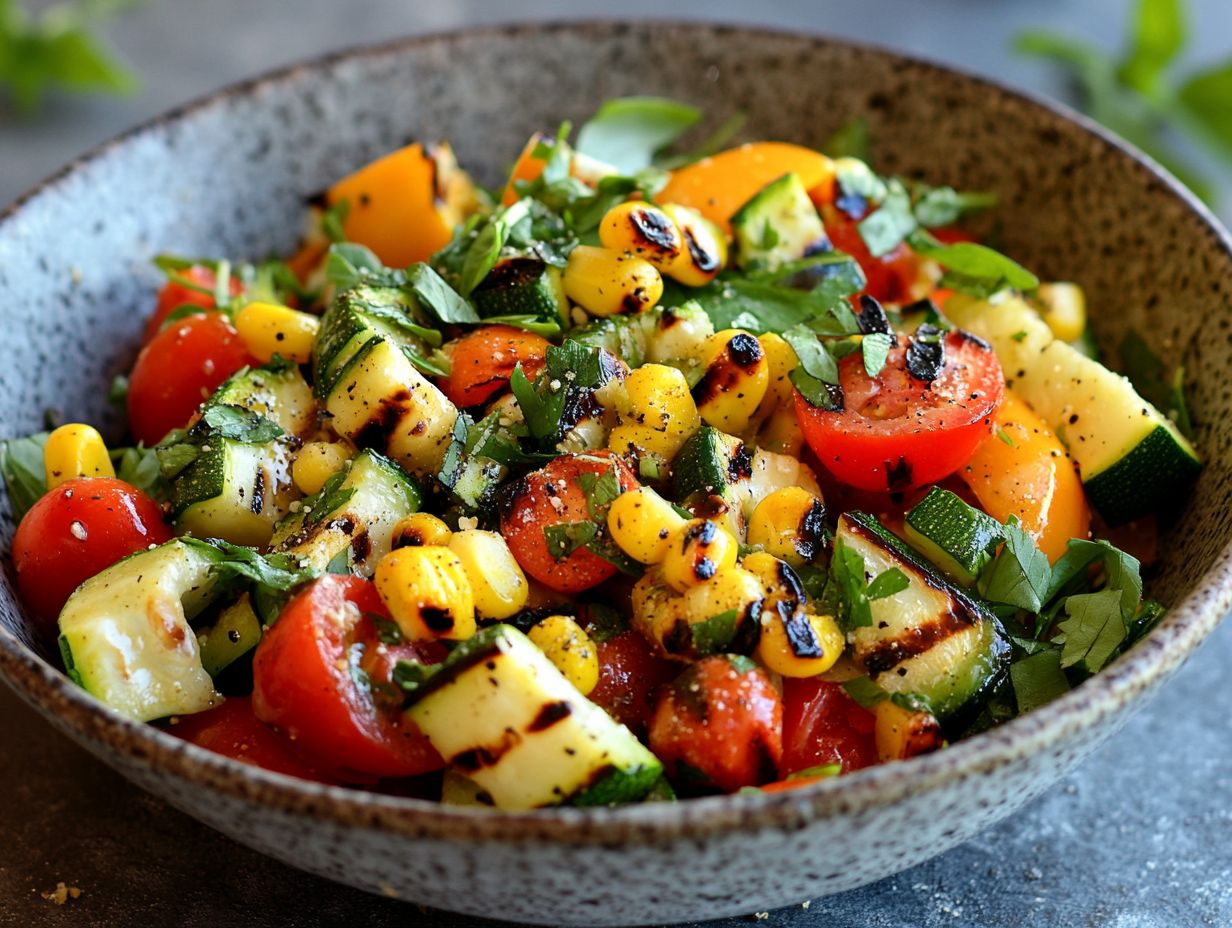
(781, 360)
(644, 230)
(641, 522)
(780, 585)
(736, 377)
(1064, 309)
(316, 462)
(570, 649)
(798, 644)
(420, 529)
(268, 329)
(781, 432)
(497, 581)
(901, 733)
(705, 247)
(790, 524)
(427, 592)
(75, 450)
(607, 283)
(658, 414)
(697, 551)
(711, 618)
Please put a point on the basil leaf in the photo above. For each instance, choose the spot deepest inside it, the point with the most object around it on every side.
(1038, 679)
(975, 263)
(239, 424)
(943, 206)
(21, 462)
(548, 328)
(141, 467)
(888, 226)
(566, 537)
(813, 358)
(876, 349)
(1020, 573)
(818, 393)
(1093, 631)
(241, 565)
(719, 139)
(437, 297)
(627, 132)
(348, 264)
(887, 583)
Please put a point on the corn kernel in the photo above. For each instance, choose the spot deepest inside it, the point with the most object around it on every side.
(781, 360)
(900, 733)
(641, 522)
(705, 247)
(697, 551)
(427, 592)
(316, 462)
(607, 283)
(790, 524)
(781, 586)
(658, 414)
(1064, 308)
(644, 230)
(497, 581)
(268, 329)
(798, 644)
(570, 649)
(711, 618)
(75, 450)
(736, 377)
(420, 529)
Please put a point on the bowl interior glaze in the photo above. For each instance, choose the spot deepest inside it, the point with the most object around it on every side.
(229, 176)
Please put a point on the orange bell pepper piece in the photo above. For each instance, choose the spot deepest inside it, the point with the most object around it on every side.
(719, 185)
(405, 205)
(1029, 476)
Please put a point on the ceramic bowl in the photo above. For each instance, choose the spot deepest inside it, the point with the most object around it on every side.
(229, 174)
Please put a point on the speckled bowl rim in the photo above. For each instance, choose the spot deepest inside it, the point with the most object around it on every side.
(1187, 624)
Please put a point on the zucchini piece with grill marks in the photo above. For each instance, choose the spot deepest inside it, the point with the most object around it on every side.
(523, 286)
(238, 482)
(663, 335)
(956, 537)
(502, 714)
(778, 225)
(352, 517)
(932, 639)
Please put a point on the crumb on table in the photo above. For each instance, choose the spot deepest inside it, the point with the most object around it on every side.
(62, 893)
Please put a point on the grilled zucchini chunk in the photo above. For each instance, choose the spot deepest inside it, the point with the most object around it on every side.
(1130, 456)
(663, 335)
(353, 517)
(522, 286)
(237, 483)
(931, 640)
(501, 714)
(367, 379)
(778, 225)
(958, 538)
(125, 637)
(717, 475)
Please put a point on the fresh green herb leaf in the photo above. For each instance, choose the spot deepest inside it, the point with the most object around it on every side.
(1019, 575)
(237, 424)
(21, 462)
(627, 132)
(604, 622)
(1094, 629)
(1004, 437)
(888, 226)
(1038, 679)
(332, 220)
(348, 265)
(876, 349)
(847, 593)
(943, 206)
(813, 357)
(140, 467)
(485, 251)
(437, 297)
(819, 772)
(864, 691)
(1157, 37)
(850, 141)
(601, 491)
(715, 634)
(818, 393)
(387, 630)
(1072, 572)
(975, 265)
(548, 328)
(566, 537)
(889, 582)
(117, 393)
(719, 139)
(243, 566)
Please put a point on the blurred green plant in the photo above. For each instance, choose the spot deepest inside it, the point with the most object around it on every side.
(1139, 94)
(59, 49)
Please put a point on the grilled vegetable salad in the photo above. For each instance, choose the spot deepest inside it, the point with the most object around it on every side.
(643, 475)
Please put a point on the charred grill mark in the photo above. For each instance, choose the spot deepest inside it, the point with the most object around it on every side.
(801, 636)
(741, 466)
(678, 639)
(973, 339)
(508, 495)
(888, 654)
(609, 366)
(811, 537)
(549, 715)
(872, 317)
(361, 545)
(725, 372)
(634, 302)
(790, 581)
(926, 353)
(513, 272)
(669, 318)
(703, 260)
(925, 305)
(258, 491)
(438, 618)
(898, 475)
(654, 232)
(376, 432)
(486, 755)
(580, 403)
(745, 350)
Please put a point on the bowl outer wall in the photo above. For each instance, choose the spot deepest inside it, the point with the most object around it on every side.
(228, 175)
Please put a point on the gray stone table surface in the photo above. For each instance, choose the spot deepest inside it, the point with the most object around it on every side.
(1138, 837)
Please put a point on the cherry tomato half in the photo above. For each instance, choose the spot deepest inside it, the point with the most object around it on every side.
(234, 730)
(896, 432)
(553, 496)
(891, 276)
(629, 675)
(181, 366)
(322, 676)
(823, 725)
(483, 361)
(175, 294)
(77, 530)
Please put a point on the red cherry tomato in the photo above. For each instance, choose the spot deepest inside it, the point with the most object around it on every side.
(174, 294)
(483, 361)
(181, 366)
(823, 725)
(890, 277)
(629, 675)
(896, 432)
(307, 682)
(76, 531)
(553, 496)
(234, 730)
(719, 726)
